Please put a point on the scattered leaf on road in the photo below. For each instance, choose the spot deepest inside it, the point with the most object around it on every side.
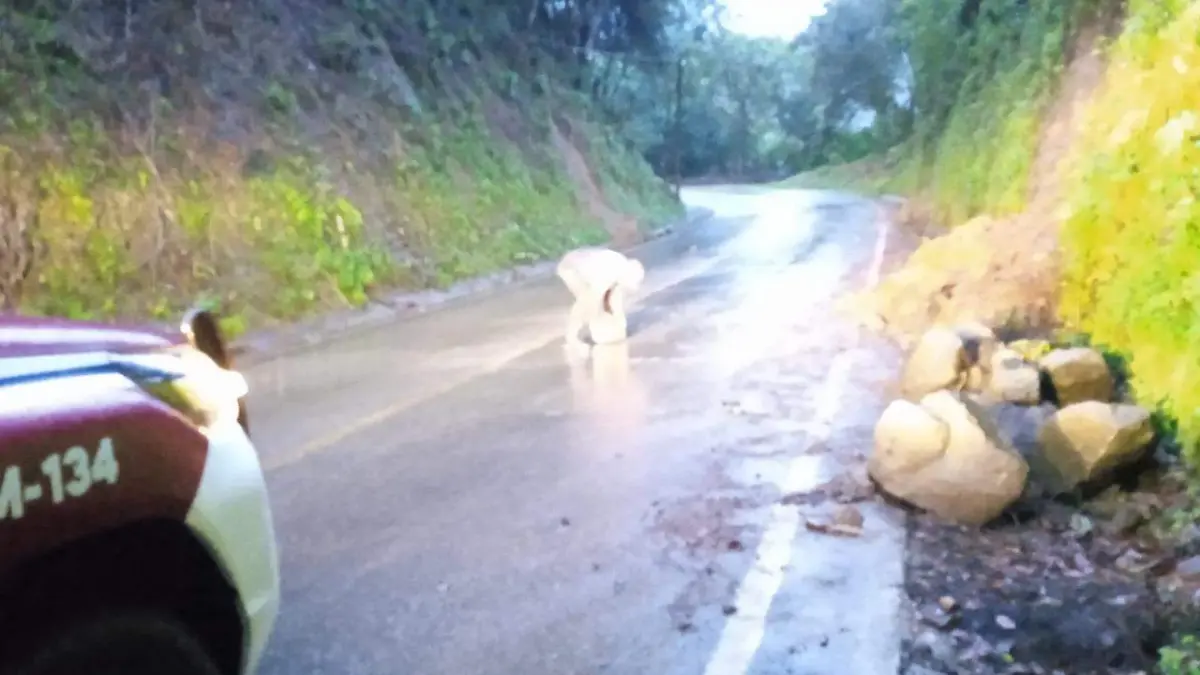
(833, 528)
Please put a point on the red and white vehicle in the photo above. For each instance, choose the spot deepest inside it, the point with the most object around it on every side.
(135, 530)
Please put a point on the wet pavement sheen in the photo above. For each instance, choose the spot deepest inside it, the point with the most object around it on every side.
(455, 494)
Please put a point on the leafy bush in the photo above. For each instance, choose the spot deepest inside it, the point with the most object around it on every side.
(117, 236)
(314, 162)
(1132, 241)
(123, 235)
(1182, 658)
(983, 91)
(979, 88)
(488, 206)
(627, 180)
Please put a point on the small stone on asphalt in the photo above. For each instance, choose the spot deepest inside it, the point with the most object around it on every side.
(934, 616)
(1188, 568)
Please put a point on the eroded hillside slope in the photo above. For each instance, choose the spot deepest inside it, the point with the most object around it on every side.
(1104, 241)
(1003, 270)
(286, 156)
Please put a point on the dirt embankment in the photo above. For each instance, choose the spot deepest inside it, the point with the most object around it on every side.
(288, 157)
(1090, 582)
(1003, 272)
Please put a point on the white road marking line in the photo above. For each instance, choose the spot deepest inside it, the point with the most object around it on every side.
(880, 246)
(744, 632)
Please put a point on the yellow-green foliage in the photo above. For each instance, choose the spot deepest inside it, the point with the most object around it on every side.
(1132, 276)
(983, 89)
(121, 232)
(872, 175)
(1180, 658)
(479, 204)
(980, 160)
(118, 234)
(126, 235)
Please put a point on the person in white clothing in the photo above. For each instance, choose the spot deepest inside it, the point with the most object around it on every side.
(599, 278)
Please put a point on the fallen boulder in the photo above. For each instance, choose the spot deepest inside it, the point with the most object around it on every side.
(908, 437)
(1078, 374)
(1090, 441)
(1013, 379)
(954, 358)
(945, 456)
(937, 361)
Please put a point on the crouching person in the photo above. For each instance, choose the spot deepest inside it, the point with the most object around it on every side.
(600, 279)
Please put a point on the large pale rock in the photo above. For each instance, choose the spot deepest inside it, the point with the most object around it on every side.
(944, 455)
(1078, 374)
(907, 438)
(937, 361)
(1089, 441)
(949, 357)
(1013, 379)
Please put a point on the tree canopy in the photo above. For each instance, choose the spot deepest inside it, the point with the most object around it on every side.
(862, 77)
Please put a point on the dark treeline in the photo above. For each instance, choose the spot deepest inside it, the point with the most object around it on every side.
(692, 96)
(863, 77)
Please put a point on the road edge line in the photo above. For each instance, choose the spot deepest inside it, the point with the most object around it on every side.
(743, 634)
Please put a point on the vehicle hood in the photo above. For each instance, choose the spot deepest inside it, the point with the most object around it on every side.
(38, 336)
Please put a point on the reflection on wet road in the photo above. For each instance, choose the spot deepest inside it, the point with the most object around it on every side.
(458, 494)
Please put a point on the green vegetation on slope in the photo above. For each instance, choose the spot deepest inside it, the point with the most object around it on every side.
(983, 74)
(284, 157)
(955, 89)
(1129, 241)
(1132, 243)
(991, 84)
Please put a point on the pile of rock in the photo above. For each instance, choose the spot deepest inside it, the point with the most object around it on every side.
(940, 449)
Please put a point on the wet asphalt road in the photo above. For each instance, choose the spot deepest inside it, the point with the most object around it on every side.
(455, 494)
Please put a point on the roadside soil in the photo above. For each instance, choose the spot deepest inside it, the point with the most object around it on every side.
(1077, 589)
(1092, 584)
(1001, 271)
(1069, 586)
